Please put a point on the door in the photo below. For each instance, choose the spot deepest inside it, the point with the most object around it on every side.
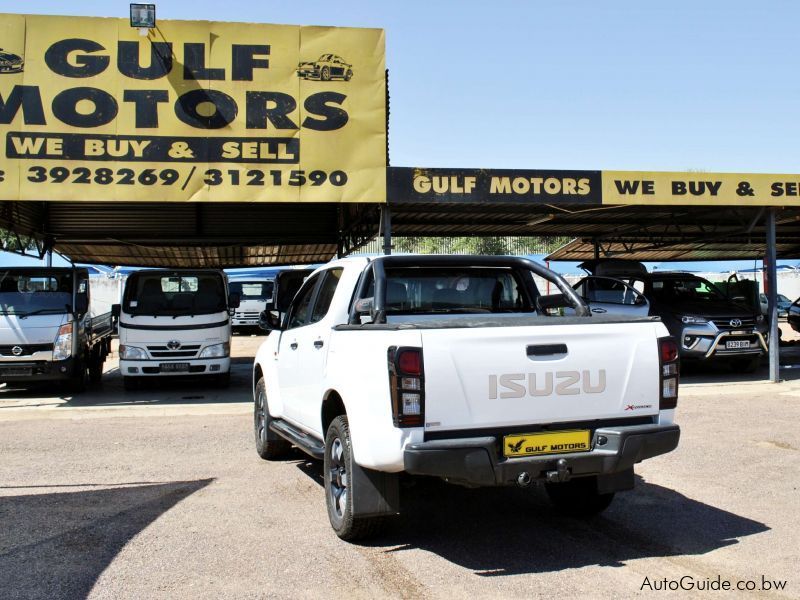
(312, 351)
(606, 295)
(291, 374)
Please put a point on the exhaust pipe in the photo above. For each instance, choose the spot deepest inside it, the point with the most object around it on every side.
(523, 479)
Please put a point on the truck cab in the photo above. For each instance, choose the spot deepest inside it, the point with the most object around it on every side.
(254, 293)
(173, 323)
(47, 329)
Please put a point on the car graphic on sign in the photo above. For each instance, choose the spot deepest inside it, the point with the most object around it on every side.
(10, 63)
(325, 68)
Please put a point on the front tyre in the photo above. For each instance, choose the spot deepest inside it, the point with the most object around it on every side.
(269, 445)
(326, 74)
(578, 497)
(339, 486)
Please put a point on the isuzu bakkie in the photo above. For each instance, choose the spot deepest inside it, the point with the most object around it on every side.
(453, 367)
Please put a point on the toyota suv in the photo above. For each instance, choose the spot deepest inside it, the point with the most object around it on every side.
(707, 324)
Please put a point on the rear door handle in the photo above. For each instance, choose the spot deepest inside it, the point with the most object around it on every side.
(319, 344)
(293, 345)
(599, 310)
(535, 351)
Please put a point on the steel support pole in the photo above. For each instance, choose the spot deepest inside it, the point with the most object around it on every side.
(50, 257)
(772, 297)
(386, 229)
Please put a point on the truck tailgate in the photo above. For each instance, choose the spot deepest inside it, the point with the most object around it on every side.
(514, 376)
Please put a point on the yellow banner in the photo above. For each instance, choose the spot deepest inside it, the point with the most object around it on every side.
(694, 188)
(195, 110)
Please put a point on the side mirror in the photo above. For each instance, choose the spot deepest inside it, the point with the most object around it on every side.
(116, 309)
(234, 300)
(81, 304)
(269, 321)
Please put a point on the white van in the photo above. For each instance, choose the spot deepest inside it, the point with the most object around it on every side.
(254, 292)
(175, 322)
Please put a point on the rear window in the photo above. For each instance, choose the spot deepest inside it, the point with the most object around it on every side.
(461, 290)
(252, 290)
(177, 294)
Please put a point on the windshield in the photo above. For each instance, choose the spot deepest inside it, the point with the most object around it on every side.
(689, 289)
(419, 290)
(251, 290)
(174, 295)
(25, 293)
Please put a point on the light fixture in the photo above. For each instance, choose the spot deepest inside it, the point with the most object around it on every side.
(540, 219)
(143, 16)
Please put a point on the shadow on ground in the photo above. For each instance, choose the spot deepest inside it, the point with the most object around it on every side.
(55, 545)
(154, 391)
(507, 531)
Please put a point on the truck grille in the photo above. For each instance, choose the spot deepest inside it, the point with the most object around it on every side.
(725, 323)
(188, 351)
(245, 315)
(27, 349)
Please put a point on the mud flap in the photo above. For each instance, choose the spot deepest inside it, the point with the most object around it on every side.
(615, 482)
(375, 493)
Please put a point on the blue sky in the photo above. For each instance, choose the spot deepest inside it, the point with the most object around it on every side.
(626, 85)
(633, 85)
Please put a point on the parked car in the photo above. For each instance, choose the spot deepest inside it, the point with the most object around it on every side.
(783, 305)
(10, 63)
(707, 324)
(793, 315)
(325, 68)
(450, 367)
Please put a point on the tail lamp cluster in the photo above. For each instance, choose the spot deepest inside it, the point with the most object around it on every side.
(407, 385)
(669, 365)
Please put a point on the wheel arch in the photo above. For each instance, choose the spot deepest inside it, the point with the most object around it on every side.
(332, 407)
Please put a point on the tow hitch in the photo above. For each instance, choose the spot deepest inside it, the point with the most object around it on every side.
(561, 474)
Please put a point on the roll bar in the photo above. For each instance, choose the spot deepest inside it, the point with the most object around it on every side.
(377, 272)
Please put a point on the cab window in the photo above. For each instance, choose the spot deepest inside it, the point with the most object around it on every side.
(299, 311)
(325, 295)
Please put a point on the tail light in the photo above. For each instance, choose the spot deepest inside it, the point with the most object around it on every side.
(407, 386)
(669, 370)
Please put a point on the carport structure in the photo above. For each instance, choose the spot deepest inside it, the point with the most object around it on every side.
(425, 202)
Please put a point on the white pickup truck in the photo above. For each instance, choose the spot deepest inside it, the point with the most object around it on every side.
(451, 366)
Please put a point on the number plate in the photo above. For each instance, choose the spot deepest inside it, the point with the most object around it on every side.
(174, 367)
(737, 344)
(16, 371)
(557, 442)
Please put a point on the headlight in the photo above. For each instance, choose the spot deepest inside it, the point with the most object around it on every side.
(690, 320)
(62, 348)
(216, 351)
(132, 353)
(760, 318)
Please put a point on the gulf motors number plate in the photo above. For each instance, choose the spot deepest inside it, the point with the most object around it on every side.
(174, 367)
(737, 344)
(557, 442)
(16, 371)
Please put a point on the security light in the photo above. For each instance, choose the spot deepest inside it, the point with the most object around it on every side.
(143, 16)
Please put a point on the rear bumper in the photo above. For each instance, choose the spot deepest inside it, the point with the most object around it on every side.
(476, 461)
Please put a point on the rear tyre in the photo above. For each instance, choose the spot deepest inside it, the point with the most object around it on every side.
(339, 486)
(96, 366)
(269, 445)
(578, 497)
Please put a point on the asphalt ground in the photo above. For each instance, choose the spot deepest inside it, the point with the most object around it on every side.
(160, 494)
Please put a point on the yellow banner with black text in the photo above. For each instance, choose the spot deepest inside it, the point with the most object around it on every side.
(192, 111)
